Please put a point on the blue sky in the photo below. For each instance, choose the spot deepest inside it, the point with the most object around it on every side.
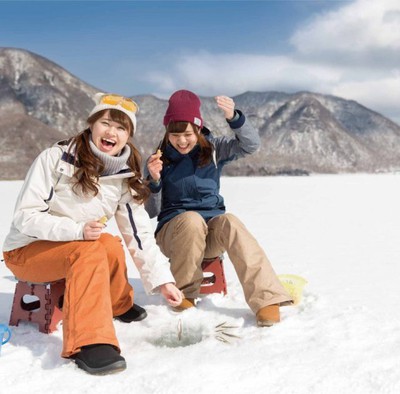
(346, 48)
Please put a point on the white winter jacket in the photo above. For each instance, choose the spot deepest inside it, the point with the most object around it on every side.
(48, 209)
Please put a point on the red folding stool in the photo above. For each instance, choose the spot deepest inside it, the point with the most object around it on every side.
(46, 310)
(214, 276)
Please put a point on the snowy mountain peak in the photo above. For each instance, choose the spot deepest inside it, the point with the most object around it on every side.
(301, 133)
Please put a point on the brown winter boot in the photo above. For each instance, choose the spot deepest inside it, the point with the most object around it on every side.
(186, 303)
(268, 316)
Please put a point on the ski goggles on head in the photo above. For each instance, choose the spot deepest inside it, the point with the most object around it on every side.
(124, 102)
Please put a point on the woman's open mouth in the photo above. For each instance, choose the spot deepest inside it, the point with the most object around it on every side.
(107, 144)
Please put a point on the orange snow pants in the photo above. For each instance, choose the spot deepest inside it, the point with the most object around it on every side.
(96, 285)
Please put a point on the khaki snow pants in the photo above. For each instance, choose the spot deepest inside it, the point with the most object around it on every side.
(187, 239)
(96, 285)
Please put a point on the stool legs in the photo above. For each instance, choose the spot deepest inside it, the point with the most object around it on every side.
(215, 283)
(46, 311)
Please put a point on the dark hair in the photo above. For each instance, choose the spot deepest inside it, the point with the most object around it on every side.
(206, 148)
(89, 167)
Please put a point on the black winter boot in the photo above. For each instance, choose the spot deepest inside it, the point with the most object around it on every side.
(136, 313)
(99, 359)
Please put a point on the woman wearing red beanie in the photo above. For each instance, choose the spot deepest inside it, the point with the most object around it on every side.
(192, 223)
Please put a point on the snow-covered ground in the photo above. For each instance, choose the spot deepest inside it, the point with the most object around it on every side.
(339, 232)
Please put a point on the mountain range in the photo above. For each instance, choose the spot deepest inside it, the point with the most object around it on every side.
(301, 133)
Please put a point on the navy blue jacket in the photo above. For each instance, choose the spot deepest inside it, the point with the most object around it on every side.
(185, 186)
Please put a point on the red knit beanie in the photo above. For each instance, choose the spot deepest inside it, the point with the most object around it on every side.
(183, 106)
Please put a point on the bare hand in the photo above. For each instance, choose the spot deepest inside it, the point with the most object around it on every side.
(92, 230)
(155, 165)
(171, 293)
(227, 105)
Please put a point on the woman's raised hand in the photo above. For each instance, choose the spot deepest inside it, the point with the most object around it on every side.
(227, 105)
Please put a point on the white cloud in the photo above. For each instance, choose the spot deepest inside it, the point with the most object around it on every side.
(231, 74)
(352, 52)
(365, 30)
(382, 95)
